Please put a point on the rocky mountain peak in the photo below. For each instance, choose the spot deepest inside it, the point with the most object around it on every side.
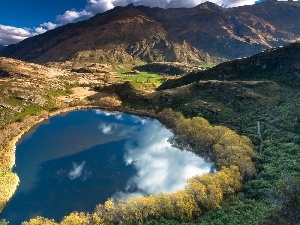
(131, 5)
(210, 6)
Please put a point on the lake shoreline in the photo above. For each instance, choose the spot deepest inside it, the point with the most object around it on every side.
(11, 145)
(10, 149)
(46, 159)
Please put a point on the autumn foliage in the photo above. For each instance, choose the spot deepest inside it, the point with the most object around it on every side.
(219, 144)
(202, 193)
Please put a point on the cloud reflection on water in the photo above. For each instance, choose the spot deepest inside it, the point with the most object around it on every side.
(137, 119)
(117, 115)
(77, 170)
(160, 167)
(105, 128)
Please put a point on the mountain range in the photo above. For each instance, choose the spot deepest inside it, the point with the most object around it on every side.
(205, 33)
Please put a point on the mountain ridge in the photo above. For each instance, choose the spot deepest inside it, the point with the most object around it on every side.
(204, 33)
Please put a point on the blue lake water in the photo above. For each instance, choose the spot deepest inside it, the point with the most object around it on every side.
(75, 161)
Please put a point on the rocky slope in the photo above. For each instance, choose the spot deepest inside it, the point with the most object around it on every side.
(206, 32)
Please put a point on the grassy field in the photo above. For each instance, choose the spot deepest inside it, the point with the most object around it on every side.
(204, 65)
(141, 81)
(141, 77)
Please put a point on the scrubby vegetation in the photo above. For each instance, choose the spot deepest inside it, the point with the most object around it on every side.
(218, 143)
(72, 219)
(8, 184)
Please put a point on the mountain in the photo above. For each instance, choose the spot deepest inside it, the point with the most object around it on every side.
(279, 64)
(1, 47)
(206, 32)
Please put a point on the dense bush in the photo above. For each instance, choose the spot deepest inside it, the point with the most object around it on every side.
(217, 143)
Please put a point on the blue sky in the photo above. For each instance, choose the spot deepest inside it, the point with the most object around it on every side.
(20, 19)
(31, 13)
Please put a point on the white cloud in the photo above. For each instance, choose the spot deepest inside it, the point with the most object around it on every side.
(40, 30)
(160, 167)
(49, 25)
(73, 16)
(11, 35)
(96, 6)
(77, 170)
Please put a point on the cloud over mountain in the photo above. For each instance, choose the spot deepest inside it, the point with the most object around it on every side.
(11, 35)
(97, 6)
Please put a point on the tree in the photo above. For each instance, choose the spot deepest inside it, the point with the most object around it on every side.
(75, 218)
(40, 221)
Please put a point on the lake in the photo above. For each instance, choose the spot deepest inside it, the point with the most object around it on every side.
(73, 162)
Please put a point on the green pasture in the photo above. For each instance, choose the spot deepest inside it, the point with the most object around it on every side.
(141, 77)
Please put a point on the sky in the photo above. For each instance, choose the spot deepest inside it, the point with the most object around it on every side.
(20, 19)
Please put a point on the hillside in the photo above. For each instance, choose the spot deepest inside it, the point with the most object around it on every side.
(257, 97)
(277, 64)
(205, 33)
